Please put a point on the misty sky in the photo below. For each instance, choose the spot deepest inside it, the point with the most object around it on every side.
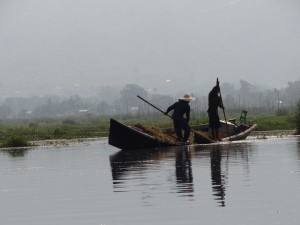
(46, 45)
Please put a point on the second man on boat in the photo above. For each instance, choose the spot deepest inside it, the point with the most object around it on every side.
(214, 102)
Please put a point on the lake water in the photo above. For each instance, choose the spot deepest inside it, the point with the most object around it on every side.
(245, 183)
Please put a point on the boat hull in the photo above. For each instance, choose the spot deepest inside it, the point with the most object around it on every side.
(131, 138)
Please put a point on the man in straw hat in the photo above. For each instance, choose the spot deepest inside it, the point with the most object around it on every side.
(181, 108)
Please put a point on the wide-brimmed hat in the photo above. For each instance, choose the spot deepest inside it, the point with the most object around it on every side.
(187, 98)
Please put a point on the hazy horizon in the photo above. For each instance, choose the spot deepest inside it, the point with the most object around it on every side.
(166, 44)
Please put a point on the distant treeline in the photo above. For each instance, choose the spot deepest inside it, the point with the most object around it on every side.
(112, 102)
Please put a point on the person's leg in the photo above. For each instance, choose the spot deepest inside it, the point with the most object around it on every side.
(217, 125)
(217, 135)
(213, 133)
(212, 125)
(177, 127)
(187, 130)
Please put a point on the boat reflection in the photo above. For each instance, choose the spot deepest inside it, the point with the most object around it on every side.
(127, 166)
(124, 162)
(139, 162)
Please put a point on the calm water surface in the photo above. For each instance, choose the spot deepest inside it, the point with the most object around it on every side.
(253, 182)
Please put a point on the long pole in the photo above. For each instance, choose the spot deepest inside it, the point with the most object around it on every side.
(154, 106)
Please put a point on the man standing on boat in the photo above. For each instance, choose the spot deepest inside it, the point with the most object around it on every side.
(214, 101)
(180, 122)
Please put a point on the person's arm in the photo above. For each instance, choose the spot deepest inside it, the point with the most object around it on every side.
(188, 113)
(170, 108)
(221, 103)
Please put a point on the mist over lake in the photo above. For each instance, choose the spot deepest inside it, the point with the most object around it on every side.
(63, 47)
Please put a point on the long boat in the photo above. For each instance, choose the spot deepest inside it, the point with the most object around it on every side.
(133, 137)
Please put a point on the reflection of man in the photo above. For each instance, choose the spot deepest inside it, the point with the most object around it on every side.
(184, 174)
(217, 179)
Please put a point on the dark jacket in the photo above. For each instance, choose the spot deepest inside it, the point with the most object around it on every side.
(180, 108)
(214, 101)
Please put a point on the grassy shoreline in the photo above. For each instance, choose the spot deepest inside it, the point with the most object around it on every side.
(21, 133)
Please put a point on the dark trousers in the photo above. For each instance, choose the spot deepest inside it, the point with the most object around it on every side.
(179, 125)
(214, 123)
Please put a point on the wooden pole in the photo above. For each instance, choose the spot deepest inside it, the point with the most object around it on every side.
(154, 106)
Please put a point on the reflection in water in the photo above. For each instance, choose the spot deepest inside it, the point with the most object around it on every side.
(135, 166)
(74, 186)
(217, 178)
(231, 154)
(16, 152)
(298, 145)
(124, 162)
(139, 162)
(184, 174)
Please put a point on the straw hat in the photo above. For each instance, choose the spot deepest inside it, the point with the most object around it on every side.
(187, 98)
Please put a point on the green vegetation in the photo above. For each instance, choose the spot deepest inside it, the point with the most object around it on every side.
(15, 141)
(275, 123)
(19, 133)
(297, 118)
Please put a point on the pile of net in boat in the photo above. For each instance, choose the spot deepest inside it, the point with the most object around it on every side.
(196, 137)
(166, 135)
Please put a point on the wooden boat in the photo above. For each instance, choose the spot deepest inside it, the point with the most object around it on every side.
(132, 137)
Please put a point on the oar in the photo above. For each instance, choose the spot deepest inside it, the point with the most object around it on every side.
(199, 134)
(154, 107)
(223, 108)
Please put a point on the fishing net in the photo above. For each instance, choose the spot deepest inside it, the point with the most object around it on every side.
(167, 135)
(196, 137)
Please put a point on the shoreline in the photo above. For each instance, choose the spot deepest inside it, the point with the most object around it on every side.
(66, 142)
(255, 135)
